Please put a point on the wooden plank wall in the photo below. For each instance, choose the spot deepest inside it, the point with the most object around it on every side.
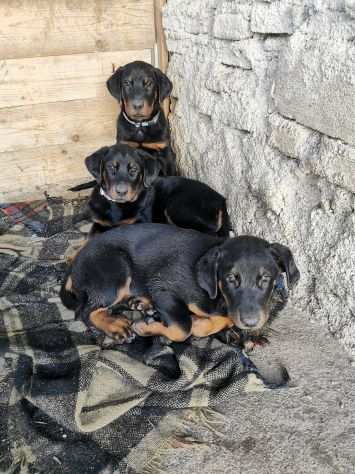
(54, 106)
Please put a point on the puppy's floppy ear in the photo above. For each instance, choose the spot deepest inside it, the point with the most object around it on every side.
(151, 168)
(207, 268)
(114, 84)
(165, 86)
(94, 162)
(286, 262)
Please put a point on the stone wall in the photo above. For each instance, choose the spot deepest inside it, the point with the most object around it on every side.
(265, 113)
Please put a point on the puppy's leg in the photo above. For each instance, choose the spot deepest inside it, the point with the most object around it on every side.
(70, 258)
(202, 327)
(117, 328)
(99, 228)
(67, 293)
(175, 316)
(106, 291)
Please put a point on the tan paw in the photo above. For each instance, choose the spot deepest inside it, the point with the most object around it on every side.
(117, 328)
(141, 328)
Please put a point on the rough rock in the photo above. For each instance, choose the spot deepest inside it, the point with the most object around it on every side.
(264, 112)
(274, 18)
(232, 21)
(315, 83)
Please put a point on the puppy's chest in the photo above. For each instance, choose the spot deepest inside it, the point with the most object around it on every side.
(112, 214)
(117, 214)
(140, 134)
(126, 214)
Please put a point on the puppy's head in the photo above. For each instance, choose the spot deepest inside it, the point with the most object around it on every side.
(245, 270)
(140, 87)
(122, 172)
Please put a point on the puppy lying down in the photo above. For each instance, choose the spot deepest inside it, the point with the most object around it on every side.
(197, 284)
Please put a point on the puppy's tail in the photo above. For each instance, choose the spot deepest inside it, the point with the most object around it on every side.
(82, 186)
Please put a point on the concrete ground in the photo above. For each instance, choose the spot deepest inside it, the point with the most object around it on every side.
(308, 428)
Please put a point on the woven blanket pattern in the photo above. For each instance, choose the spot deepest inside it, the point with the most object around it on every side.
(69, 402)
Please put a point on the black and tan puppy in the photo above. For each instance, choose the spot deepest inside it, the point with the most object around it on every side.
(197, 283)
(129, 191)
(141, 88)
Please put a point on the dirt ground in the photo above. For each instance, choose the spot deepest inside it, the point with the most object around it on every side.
(307, 428)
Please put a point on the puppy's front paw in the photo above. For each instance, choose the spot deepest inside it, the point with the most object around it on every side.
(118, 328)
(141, 328)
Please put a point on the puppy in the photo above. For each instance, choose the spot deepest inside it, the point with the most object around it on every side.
(128, 191)
(140, 89)
(198, 284)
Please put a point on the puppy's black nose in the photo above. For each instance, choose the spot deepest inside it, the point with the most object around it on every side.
(121, 189)
(250, 321)
(137, 104)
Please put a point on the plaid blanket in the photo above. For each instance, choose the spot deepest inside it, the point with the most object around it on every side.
(68, 402)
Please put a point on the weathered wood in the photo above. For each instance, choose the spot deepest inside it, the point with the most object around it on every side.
(160, 36)
(33, 126)
(27, 174)
(60, 78)
(54, 106)
(161, 44)
(34, 28)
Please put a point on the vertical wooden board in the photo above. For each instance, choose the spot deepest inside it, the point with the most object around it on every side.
(33, 126)
(54, 107)
(161, 45)
(33, 28)
(60, 78)
(163, 56)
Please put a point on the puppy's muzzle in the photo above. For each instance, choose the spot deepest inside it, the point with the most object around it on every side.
(251, 320)
(121, 190)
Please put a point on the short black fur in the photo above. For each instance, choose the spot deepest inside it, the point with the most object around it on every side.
(198, 284)
(128, 190)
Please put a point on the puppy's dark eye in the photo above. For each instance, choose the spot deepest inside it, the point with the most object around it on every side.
(127, 83)
(264, 281)
(112, 169)
(234, 279)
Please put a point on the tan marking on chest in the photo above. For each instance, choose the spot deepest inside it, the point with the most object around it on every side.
(156, 146)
